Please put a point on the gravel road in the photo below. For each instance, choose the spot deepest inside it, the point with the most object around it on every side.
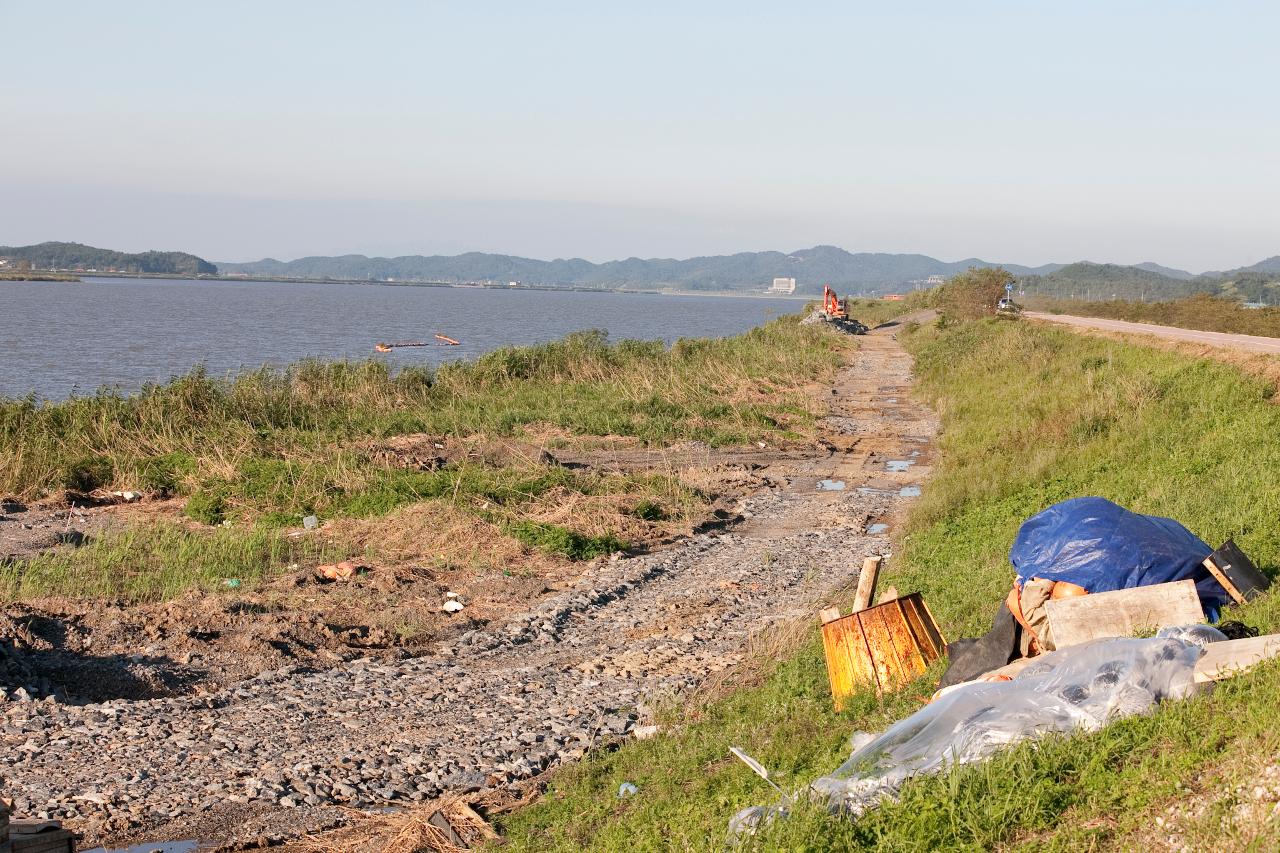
(276, 754)
(1244, 343)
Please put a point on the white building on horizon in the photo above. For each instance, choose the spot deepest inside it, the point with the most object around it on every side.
(783, 285)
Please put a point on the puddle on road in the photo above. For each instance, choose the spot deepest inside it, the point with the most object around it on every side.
(897, 466)
(910, 491)
(877, 528)
(831, 485)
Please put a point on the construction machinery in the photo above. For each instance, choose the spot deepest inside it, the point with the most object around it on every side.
(832, 305)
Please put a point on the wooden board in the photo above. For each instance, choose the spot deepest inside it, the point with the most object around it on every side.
(883, 647)
(48, 841)
(1232, 657)
(1123, 612)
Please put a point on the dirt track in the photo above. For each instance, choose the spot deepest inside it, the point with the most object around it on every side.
(274, 755)
(1244, 343)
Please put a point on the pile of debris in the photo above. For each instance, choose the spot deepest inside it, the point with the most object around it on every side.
(1061, 656)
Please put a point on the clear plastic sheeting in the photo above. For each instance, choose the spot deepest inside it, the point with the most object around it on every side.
(1081, 688)
(1201, 635)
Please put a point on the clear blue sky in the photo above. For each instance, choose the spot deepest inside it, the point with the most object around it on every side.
(1014, 131)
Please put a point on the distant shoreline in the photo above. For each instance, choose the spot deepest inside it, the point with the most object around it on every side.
(36, 275)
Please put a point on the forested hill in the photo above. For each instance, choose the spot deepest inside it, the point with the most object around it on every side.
(1094, 282)
(745, 271)
(81, 258)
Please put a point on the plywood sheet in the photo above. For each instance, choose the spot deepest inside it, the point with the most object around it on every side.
(1123, 612)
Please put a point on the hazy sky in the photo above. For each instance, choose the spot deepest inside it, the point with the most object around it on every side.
(1013, 131)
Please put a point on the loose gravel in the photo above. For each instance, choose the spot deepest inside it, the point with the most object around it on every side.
(491, 709)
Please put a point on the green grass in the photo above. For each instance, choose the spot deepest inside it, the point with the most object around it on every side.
(169, 436)
(157, 561)
(267, 448)
(1030, 416)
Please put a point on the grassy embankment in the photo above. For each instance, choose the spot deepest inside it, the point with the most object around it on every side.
(1206, 313)
(253, 455)
(1031, 416)
(873, 312)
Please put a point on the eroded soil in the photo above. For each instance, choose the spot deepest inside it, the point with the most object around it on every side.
(246, 718)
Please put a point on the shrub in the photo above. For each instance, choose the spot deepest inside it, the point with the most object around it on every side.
(973, 293)
(207, 507)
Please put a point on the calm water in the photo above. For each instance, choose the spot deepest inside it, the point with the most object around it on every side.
(60, 338)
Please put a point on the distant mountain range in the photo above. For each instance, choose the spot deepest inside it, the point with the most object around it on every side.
(746, 271)
(811, 268)
(78, 257)
(1151, 282)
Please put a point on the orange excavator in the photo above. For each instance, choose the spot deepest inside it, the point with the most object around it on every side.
(832, 305)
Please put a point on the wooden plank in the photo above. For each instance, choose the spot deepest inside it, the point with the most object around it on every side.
(884, 655)
(48, 841)
(931, 624)
(904, 641)
(866, 583)
(849, 663)
(1123, 612)
(835, 648)
(860, 656)
(1224, 581)
(928, 640)
(1232, 657)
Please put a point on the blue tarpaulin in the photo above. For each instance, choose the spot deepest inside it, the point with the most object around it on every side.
(1100, 546)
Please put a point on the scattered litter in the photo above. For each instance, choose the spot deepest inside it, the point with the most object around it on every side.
(1081, 688)
(1100, 546)
(127, 497)
(310, 522)
(645, 732)
(877, 528)
(231, 583)
(343, 571)
(626, 789)
(831, 485)
(756, 768)
(909, 491)
(451, 603)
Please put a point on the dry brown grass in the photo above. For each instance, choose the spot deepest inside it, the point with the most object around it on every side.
(408, 831)
(439, 535)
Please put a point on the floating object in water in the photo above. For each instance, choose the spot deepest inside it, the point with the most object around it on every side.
(440, 341)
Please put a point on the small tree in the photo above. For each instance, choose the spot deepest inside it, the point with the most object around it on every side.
(973, 293)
